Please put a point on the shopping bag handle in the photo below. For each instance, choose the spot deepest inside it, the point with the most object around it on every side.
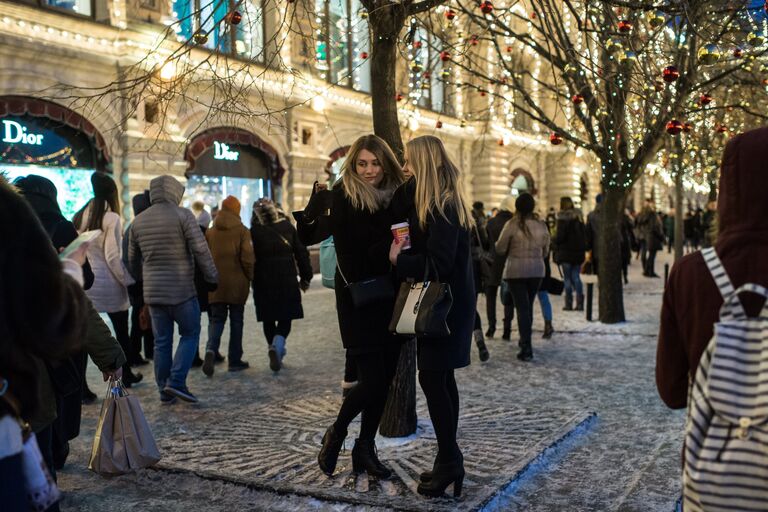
(116, 388)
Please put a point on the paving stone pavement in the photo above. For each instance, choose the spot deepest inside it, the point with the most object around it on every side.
(250, 443)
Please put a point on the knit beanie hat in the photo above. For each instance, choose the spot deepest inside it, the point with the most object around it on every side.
(232, 204)
(103, 185)
(525, 204)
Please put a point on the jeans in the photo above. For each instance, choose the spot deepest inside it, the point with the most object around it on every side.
(523, 291)
(217, 319)
(546, 307)
(187, 316)
(572, 279)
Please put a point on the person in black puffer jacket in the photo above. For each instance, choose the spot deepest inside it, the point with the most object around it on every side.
(494, 227)
(570, 246)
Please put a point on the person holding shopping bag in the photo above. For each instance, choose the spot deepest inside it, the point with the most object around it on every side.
(360, 223)
(440, 223)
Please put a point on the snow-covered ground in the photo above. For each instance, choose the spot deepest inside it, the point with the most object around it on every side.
(628, 460)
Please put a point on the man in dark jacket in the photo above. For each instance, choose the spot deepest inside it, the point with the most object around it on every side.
(649, 225)
(692, 300)
(136, 295)
(493, 228)
(166, 244)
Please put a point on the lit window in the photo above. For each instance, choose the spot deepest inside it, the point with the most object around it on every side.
(83, 7)
(429, 75)
(342, 48)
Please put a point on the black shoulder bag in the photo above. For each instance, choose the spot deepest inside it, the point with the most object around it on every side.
(370, 290)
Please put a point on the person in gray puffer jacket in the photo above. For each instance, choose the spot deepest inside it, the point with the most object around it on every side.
(165, 245)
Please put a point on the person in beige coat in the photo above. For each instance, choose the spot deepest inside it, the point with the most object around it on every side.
(232, 251)
(525, 242)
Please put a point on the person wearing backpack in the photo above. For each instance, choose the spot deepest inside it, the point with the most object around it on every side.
(570, 246)
(692, 306)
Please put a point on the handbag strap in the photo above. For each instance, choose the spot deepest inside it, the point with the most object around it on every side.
(285, 240)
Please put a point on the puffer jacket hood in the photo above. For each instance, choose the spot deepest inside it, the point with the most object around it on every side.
(165, 189)
(226, 220)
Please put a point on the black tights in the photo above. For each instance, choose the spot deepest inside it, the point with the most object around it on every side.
(120, 325)
(274, 327)
(443, 403)
(375, 371)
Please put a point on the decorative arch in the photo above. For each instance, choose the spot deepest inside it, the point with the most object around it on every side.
(520, 172)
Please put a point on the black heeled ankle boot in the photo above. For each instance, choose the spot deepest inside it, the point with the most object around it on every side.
(443, 475)
(426, 476)
(329, 453)
(364, 459)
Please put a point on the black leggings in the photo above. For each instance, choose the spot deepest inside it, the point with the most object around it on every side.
(120, 325)
(350, 369)
(274, 327)
(137, 335)
(443, 403)
(375, 371)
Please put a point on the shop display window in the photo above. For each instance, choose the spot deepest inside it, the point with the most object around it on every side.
(73, 185)
(211, 190)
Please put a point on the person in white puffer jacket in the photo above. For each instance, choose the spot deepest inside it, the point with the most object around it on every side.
(109, 293)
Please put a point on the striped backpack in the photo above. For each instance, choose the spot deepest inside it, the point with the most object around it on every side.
(726, 439)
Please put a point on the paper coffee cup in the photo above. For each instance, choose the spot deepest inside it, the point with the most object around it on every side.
(402, 233)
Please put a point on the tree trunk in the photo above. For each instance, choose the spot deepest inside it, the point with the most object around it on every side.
(399, 419)
(383, 86)
(611, 302)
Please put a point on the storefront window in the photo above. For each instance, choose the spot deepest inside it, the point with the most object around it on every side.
(342, 48)
(211, 190)
(83, 7)
(429, 75)
(210, 19)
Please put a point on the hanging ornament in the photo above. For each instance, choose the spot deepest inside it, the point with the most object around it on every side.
(439, 125)
(555, 139)
(235, 17)
(427, 75)
(687, 127)
(463, 124)
(614, 45)
(674, 127)
(416, 66)
(509, 49)
(721, 128)
(482, 93)
(445, 56)
(486, 7)
(417, 44)
(445, 73)
(628, 57)
(709, 54)
(670, 74)
(474, 39)
(656, 18)
(625, 26)
(738, 52)
(755, 39)
(570, 70)
(602, 113)
(705, 99)
(450, 14)
(398, 97)
(200, 38)
(500, 142)
(363, 13)
(363, 55)
(425, 86)
(577, 99)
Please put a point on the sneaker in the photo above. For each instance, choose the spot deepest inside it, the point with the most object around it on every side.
(166, 398)
(210, 356)
(181, 393)
(238, 366)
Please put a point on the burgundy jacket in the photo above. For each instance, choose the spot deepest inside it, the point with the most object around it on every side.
(691, 300)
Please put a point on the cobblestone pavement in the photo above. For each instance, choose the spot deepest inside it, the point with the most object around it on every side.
(250, 443)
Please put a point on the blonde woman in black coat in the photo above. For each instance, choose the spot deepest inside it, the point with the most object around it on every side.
(440, 222)
(360, 224)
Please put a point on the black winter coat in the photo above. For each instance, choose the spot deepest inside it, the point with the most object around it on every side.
(447, 245)
(494, 227)
(362, 240)
(570, 239)
(279, 253)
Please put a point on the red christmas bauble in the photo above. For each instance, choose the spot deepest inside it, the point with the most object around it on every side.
(439, 124)
(450, 14)
(670, 74)
(509, 49)
(363, 55)
(705, 99)
(625, 26)
(501, 142)
(474, 40)
(427, 74)
(482, 93)
(445, 56)
(486, 7)
(721, 128)
(398, 97)
(738, 52)
(555, 139)
(235, 17)
(577, 99)
(674, 127)
(417, 44)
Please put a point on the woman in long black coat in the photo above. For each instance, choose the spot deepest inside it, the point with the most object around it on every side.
(279, 253)
(440, 223)
(360, 224)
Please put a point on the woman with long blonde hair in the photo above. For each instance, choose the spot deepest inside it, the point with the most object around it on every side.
(359, 222)
(440, 221)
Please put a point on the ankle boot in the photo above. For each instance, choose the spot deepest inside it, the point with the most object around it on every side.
(480, 342)
(426, 476)
(443, 475)
(568, 302)
(491, 330)
(332, 443)
(526, 352)
(364, 459)
(507, 334)
(130, 378)
(548, 330)
(579, 302)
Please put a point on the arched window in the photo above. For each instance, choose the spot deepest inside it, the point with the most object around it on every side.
(342, 45)
(428, 80)
(522, 182)
(211, 19)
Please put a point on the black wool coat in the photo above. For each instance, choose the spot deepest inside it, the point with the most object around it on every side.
(280, 259)
(570, 239)
(494, 227)
(447, 246)
(362, 240)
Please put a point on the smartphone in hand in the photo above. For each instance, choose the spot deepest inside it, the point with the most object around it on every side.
(84, 238)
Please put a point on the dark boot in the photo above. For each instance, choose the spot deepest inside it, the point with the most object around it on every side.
(197, 362)
(548, 330)
(329, 453)
(579, 302)
(130, 378)
(526, 352)
(507, 334)
(364, 459)
(568, 302)
(443, 475)
(481, 348)
(491, 331)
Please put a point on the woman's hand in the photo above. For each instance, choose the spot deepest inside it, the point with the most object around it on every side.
(394, 251)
